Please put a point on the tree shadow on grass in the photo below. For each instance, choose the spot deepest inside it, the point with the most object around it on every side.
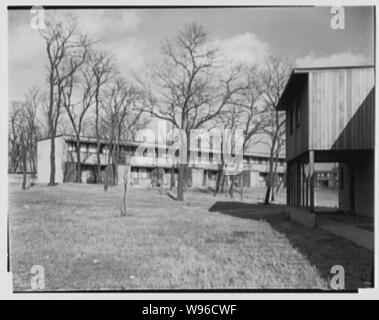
(321, 248)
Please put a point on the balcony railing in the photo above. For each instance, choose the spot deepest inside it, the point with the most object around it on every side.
(165, 161)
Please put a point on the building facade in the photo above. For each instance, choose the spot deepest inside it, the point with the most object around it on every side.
(330, 116)
(143, 169)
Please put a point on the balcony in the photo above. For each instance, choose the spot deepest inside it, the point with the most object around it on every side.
(90, 158)
(87, 157)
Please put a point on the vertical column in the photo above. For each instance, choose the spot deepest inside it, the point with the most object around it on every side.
(302, 183)
(312, 179)
(298, 190)
(307, 191)
(288, 185)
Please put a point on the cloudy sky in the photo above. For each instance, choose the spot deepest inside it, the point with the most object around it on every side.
(302, 35)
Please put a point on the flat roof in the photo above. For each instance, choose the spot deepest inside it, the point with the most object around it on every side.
(299, 75)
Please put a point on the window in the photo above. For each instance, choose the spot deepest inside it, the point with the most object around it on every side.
(211, 175)
(341, 178)
(291, 124)
(262, 176)
(71, 147)
(298, 114)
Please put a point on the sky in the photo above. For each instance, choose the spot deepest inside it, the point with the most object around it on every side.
(302, 35)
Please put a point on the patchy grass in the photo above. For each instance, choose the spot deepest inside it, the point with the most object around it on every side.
(76, 233)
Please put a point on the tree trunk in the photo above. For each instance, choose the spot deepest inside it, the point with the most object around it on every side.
(270, 178)
(51, 128)
(32, 155)
(218, 181)
(224, 183)
(231, 189)
(52, 160)
(267, 197)
(181, 177)
(23, 167)
(183, 171)
(125, 181)
(34, 169)
(188, 173)
(78, 166)
(115, 162)
(172, 182)
(98, 174)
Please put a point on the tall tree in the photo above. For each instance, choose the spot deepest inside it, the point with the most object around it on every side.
(32, 101)
(67, 51)
(76, 111)
(101, 66)
(188, 88)
(251, 113)
(274, 78)
(245, 112)
(23, 131)
(121, 117)
(14, 147)
(22, 138)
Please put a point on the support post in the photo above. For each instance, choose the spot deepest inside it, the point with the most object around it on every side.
(312, 179)
(302, 184)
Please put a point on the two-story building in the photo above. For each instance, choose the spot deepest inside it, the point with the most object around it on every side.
(255, 163)
(330, 116)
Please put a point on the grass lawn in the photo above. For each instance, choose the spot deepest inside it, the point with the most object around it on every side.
(76, 233)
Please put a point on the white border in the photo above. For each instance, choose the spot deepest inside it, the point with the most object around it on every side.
(5, 278)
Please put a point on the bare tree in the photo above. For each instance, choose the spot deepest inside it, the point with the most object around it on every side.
(23, 131)
(22, 138)
(101, 66)
(14, 148)
(67, 51)
(246, 113)
(188, 89)
(251, 113)
(274, 78)
(76, 111)
(32, 102)
(121, 118)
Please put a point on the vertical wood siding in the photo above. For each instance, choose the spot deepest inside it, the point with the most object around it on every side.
(297, 142)
(341, 109)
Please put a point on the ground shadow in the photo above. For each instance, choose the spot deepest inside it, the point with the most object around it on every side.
(321, 248)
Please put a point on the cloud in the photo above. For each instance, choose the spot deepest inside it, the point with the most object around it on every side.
(244, 48)
(339, 59)
(103, 25)
(113, 29)
(27, 53)
(26, 59)
(130, 53)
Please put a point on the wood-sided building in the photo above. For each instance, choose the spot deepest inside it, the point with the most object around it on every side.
(330, 115)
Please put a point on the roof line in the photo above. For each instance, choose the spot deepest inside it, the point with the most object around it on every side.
(300, 69)
(306, 70)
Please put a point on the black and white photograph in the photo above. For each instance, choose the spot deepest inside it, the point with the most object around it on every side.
(190, 149)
